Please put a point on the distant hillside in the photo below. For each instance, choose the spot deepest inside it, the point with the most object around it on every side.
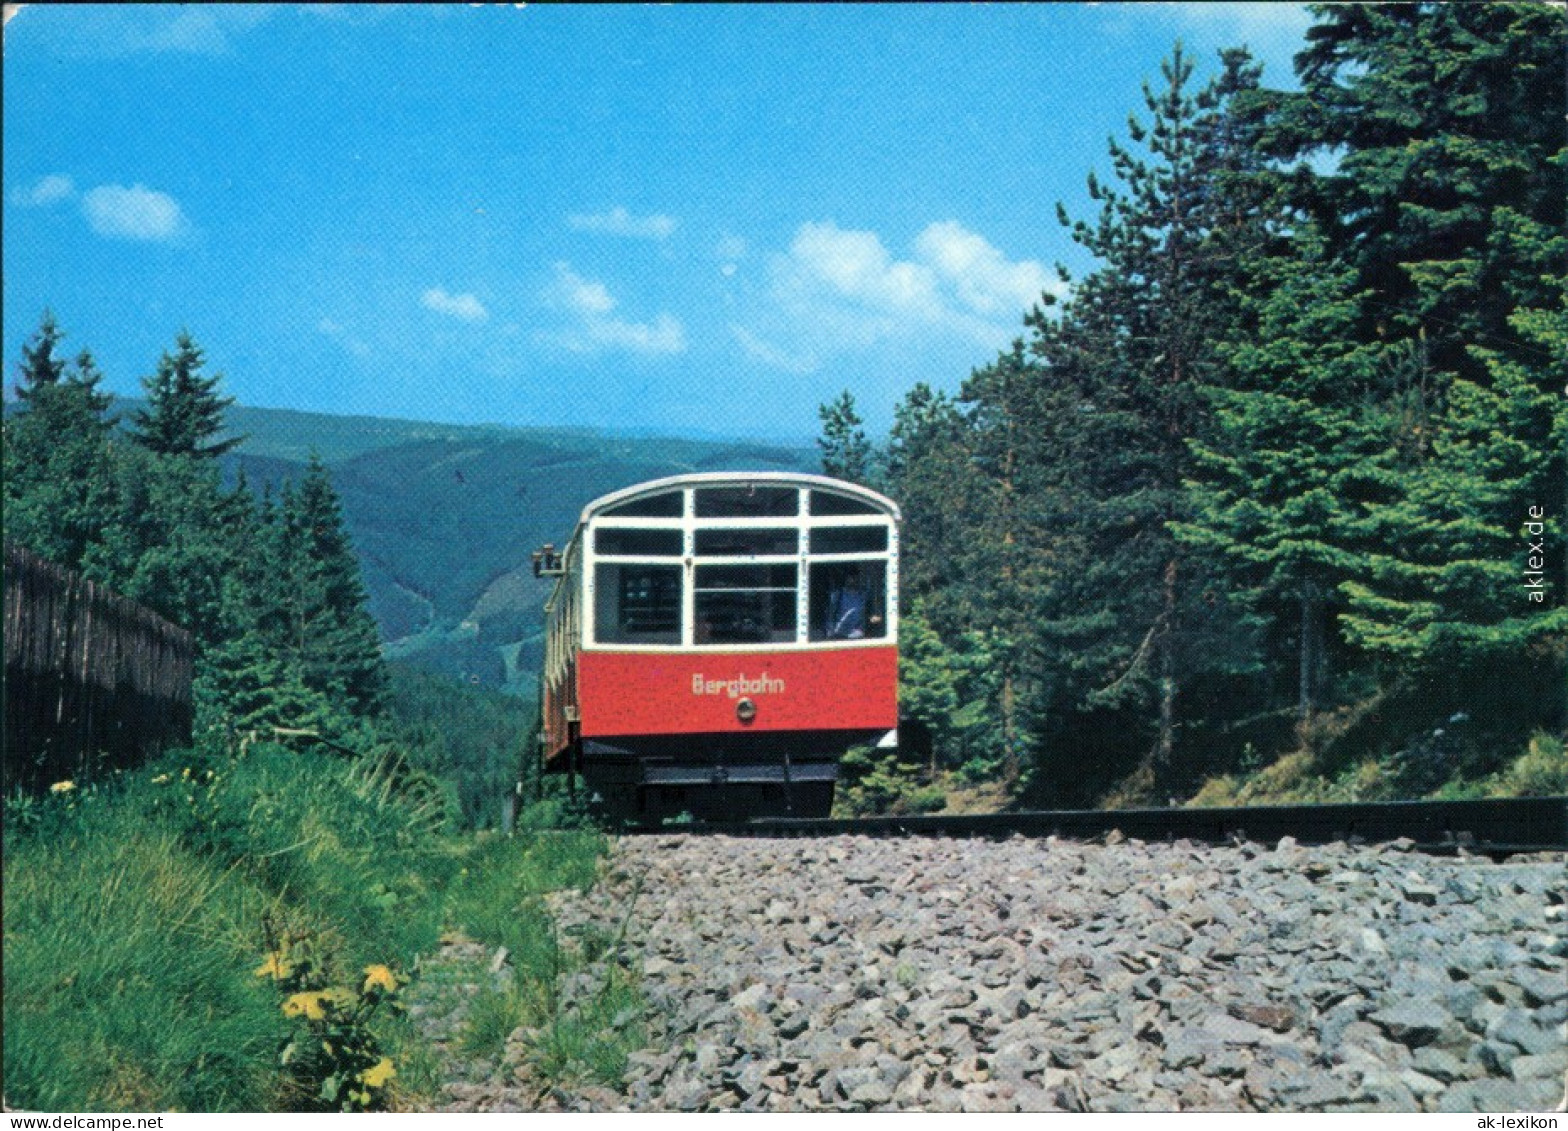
(445, 516)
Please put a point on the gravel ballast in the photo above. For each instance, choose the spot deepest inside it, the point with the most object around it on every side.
(858, 974)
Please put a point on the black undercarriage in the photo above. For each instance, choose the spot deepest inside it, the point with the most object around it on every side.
(651, 779)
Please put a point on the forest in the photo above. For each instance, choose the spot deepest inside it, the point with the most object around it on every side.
(1271, 505)
(267, 581)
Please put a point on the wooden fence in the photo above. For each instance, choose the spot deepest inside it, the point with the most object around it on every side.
(93, 682)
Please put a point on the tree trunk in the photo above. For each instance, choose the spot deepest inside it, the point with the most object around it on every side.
(1167, 740)
(1304, 687)
(1010, 767)
(1311, 659)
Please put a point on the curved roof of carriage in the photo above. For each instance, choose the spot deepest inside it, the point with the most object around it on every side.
(740, 479)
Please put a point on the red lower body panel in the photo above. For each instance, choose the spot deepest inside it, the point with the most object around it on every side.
(651, 693)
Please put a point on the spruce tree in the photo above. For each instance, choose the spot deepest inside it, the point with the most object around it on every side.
(41, 366)
(1122, 618)
(165, 544)
(332, 636)
(184, 410)
(59, 483)
(1454, 583)
(846, 453)
(1295, 453)
(932, 476)
(1447, 202)
(1006, 543)
(1445, 148)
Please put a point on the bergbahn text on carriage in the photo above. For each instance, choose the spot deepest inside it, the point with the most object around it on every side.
(716, 642)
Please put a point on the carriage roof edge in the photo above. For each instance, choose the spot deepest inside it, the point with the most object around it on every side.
(722, 478)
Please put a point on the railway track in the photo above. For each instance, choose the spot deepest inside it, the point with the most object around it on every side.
(1494, 827)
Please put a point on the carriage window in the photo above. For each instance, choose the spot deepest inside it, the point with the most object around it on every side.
(745, 604)
(848, 600)
(637, 604)
(666, 504)
(830, 503)
(849, 540)
(747, 502)
(746, 543)
(638, 543)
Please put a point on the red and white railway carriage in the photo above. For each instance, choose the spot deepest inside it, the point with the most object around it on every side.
(717, 641)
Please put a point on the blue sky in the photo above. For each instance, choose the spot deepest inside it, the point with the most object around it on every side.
(671, 219)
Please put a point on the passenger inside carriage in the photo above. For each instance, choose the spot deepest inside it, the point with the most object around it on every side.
(848, 600)
(846, 614)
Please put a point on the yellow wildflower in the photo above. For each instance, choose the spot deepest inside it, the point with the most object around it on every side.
(276, 967)
(62, 787)
(311, 1003)
(161, 779)
(378, 1076)
(380, 976)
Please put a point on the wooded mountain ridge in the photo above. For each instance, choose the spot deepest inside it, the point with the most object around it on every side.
(444, 516)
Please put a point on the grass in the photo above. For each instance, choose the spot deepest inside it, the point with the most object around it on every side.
(1297, 778)
(137, 916)
(498, 899)
(127, 973)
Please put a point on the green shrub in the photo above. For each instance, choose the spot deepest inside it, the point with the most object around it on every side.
(1542, 771)
(875, 781)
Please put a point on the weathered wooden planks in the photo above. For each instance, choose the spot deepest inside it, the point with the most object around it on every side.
(93, 681)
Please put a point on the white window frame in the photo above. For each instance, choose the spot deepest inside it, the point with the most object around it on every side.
(802, 522)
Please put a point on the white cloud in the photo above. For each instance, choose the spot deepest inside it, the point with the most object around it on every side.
(771, 355)
(464, 307)
(982, 277)
(48, 190)
(581, 295)
(1260, 21)
(342, 337)
(594, 326)
(619, 222)
(1273, 32)
(193, 31)
(839, 289)
(135, 213)
(116, 31)
(730, 250)
(853, 268)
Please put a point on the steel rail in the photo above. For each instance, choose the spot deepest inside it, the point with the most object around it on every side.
(1492, 826)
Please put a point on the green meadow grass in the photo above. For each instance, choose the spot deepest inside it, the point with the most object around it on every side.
(136, 917)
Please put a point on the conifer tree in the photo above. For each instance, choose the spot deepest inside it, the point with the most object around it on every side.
(846, 453)
(332, 636)
(184, 410)
(58, 477)
(1444, 153)
(1296, 451)
(931, 475)
(1121, 622)
(1006, 543)
(41, 366)
(1450, 584)
(1447, 202)
(165, 544)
